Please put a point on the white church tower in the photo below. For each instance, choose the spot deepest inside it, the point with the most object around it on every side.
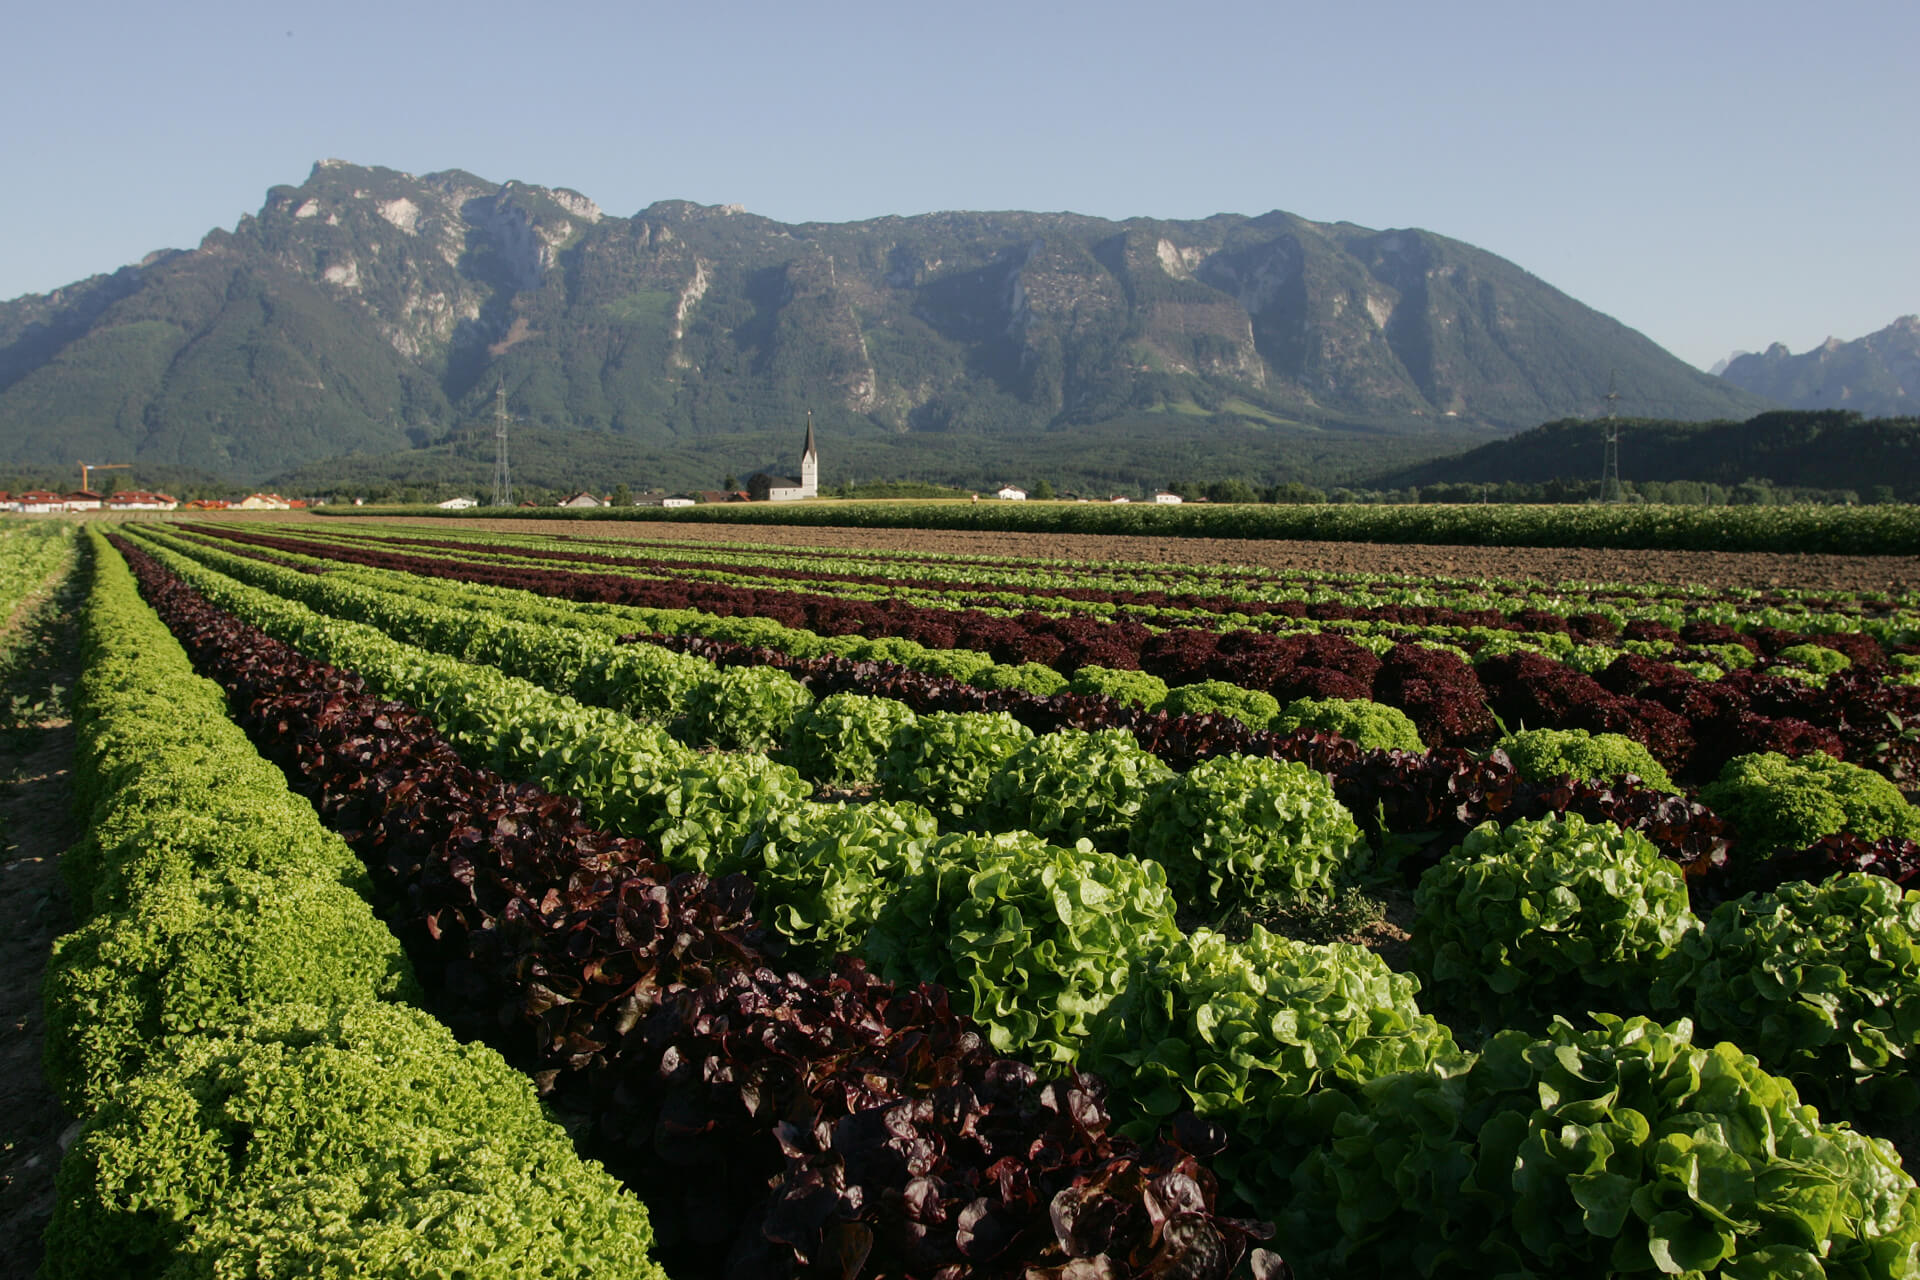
(810, 464)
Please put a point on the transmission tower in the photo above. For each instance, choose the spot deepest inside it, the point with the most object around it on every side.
(502, 480)
(1610, 454)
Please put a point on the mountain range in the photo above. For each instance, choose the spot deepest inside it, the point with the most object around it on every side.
(1876, 375)
(371, 314)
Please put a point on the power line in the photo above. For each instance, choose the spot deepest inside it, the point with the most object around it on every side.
(1610, 454)
(502, 479)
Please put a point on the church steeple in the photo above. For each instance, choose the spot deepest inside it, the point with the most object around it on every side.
(810, 463)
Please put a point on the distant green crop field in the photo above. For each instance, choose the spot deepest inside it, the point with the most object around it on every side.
(1867, 530)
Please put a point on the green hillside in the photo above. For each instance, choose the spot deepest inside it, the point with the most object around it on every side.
(1827, 449)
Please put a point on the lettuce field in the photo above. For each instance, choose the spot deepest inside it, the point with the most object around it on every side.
(459, 901)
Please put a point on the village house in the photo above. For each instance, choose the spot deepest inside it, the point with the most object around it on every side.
(83, 500)
(1010, 493)
(580, 500)
(263, 502)
(1167, 499)
(141, 500)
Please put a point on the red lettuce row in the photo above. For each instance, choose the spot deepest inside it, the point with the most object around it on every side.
(787, 1125)
(1583, 626)
(1175, 571)
(1586, 625)
(1693, 727)
(1437, 805)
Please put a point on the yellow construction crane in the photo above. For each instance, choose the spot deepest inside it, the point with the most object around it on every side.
(87, 468)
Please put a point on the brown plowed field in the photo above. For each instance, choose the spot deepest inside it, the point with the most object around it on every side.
(1703, 568)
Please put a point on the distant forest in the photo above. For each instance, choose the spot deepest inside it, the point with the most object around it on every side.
(1774, 458)
(1783, 456)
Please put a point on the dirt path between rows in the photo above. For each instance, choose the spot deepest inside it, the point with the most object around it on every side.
(1553, 565)
(36, 825)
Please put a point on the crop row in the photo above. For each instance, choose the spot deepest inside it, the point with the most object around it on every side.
(1693, 726)
(1230, 580)
(1436, 795)
(1570, 615)
(821, 1122)
(31, 556)
(1213, 828)
(1803, 823)
(1876, 530)
(1579, 1150)
(233, 1025)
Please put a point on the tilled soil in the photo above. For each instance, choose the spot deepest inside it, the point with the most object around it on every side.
(35, 821)
(1758, 571)
(36, 825)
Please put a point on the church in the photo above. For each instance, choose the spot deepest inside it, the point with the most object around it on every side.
(762, 487)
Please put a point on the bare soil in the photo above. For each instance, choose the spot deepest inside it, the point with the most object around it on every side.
(36, 825)
(1755, 571)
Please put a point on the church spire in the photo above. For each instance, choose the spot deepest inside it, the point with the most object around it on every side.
(810, 464)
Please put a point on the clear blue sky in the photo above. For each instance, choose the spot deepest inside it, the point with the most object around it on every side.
(1716, 175)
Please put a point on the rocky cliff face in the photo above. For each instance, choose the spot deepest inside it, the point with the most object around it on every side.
(1878, 375)
(367, 309)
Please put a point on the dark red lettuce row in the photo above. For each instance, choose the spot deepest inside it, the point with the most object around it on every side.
(1604, 594)
(1895, 858)
(1693, 727)
(1585, 626)
(780, 1125)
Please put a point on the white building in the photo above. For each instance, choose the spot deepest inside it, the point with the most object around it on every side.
(1166, 499)
(141, 500)
(764, 487)
(459, 504)
(1010, 493)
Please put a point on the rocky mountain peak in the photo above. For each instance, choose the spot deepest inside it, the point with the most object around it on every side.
(1878, 374)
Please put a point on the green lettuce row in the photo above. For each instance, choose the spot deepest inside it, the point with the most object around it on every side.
(974, 770)
(32, 555)
(1874, 530)
(1549, 916)
(1794, 610)
(253, 1099)
(333, 593)
(381, 598)
(1298, 1044)
(1625, 1150)
(723, 813)
(1821, 982)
